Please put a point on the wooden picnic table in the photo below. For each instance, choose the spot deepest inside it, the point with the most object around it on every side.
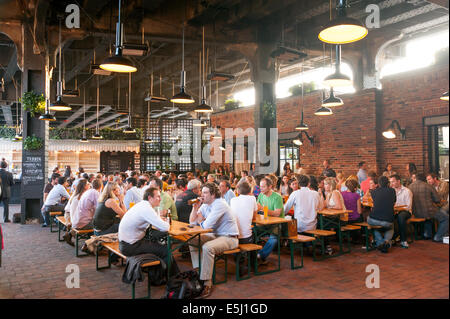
(330, 218)
(397, 209)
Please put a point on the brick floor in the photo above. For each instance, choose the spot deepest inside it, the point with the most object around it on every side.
(34, 266)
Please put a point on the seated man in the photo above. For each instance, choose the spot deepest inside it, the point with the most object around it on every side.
(274, 202)
(214, 213)
(134, 224)
(306, 204)
(225, 191)
(404, 198)
(244, 209)
(182, 202)
(133, 194)
(167, 204)
(55, 201)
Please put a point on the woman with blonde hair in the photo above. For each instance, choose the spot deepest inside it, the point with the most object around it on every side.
(334, 197)
(340, 185)
(109, 205)
(251, 181)
(72, 205)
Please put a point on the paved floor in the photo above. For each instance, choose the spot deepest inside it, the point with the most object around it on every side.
(34, 266)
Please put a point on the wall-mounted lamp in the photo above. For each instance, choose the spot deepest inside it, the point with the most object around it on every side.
(444, 96)
(390, 132)
(299, 140)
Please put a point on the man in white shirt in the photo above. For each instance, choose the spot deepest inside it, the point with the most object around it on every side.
(54, 201)
(214, 213)
(244, 209)
(306, 204)
(134, 224)
(225, 191)
(404, 198)
(133, 194)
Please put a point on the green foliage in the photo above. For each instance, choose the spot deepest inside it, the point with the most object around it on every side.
(296, 90)
(107, 133)
(32, 143)
(33, 102)
(231, 104)
(269, 112)
(7, 132)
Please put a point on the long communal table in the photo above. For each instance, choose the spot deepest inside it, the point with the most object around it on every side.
(331, 218)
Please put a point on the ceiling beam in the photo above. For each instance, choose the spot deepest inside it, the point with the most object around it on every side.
(104, 120)
(74, 116)
(409, 14)
(441, 3)
(165, 113)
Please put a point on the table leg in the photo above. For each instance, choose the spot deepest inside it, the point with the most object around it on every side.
(169, 255)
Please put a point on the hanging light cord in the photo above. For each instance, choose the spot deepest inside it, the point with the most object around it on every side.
(98, 102)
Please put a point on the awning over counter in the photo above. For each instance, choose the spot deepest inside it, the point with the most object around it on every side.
(75, 145)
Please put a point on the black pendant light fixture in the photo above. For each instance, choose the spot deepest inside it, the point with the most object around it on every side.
(59, 104)
(332, 100)
(97, 135)
(117, 62)
(203, 107)
(444, 96)
(302, 126)
(182, 97)
(343, 29)
(148, 140)
(323, 111)
(84, 139)
(153, 98)
(338, 79)
(47, 116)
(129, 129)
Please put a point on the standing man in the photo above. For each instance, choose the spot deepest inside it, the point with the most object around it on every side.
(328, 171)
(362, 173)
(425, 199)
(404, 198)
(7, 181)
(225, 191)
(215, 214)
(274, 202)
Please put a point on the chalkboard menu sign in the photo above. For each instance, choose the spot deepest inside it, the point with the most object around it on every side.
(32, 170)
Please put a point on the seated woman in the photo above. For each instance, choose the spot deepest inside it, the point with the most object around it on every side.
(109, 205)
(284, 186)
(352, 201)
(340, 184)
(72, 206)
(382, 214)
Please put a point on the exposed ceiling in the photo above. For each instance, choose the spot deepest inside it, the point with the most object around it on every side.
(226, 22)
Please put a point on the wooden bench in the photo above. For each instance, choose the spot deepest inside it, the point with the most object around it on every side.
(246, 249)
(366, 227)
(53, 216)
(79, 234)
(61, 221)
(347, 229)
(320, 235)
(113, 248)
(293, 242)
(419, 225)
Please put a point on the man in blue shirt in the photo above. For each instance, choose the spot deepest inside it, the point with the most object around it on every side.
(225, 191)
(212, 212)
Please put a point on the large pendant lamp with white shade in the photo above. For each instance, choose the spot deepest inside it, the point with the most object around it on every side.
(117, 62)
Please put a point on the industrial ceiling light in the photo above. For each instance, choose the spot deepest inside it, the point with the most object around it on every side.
(147, 139)
(343, 29)
(298, 141)
(302, 126)
(59, 104)
(47, 116)
(129, 129)
(220, 76)
(444, 96)
(200, 123)
(390, 132)
(203, 107)
(323, 111)
(332, 100)
(117, 62)
(338, 79)
(72, 93)
(182, 97)
(134, 49)
(97, 135)
(84, 139)
(96, 70)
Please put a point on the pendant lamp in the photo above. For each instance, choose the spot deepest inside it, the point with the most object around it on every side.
(148, 140)
(203, 107)
(332, 100)
(302, 126)
(182, 97)
(84, 139)
(298, 141)
(444, 96)
(97, 135)
(338, 79)
(59, 104)
(129, 129)
(323, 111)
(47, 116)
(343, 29)
(117, 62)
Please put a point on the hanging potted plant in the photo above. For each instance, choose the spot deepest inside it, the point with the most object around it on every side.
(34, 103)
(31, 143)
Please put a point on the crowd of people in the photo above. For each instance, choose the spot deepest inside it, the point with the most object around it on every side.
(128, 203)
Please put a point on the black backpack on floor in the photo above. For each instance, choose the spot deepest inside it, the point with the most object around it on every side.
(184, 285)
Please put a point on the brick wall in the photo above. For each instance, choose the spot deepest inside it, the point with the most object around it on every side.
(353, 133)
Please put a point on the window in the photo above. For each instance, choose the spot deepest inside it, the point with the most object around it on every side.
(289, 154)
(438, 142)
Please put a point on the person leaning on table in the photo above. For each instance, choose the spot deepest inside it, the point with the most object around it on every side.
(212, 212)
(134, 224)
